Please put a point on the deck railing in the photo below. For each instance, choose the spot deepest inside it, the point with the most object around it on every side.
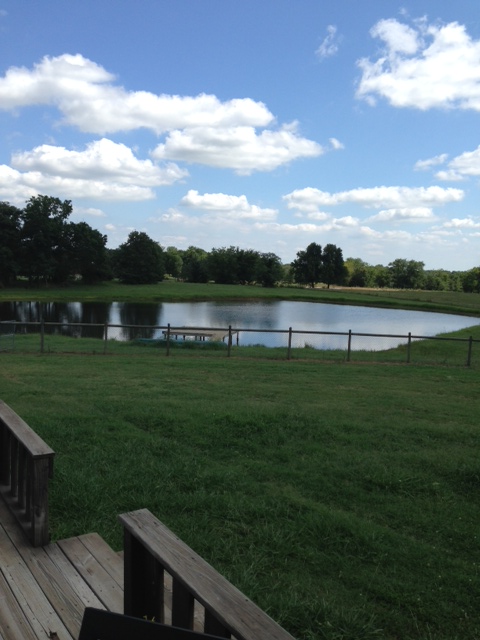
(150, 550)
(26, 464)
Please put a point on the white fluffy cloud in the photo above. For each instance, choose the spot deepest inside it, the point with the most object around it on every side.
(310, 199)
(86, 95)
(408, 214)
(16, 187)
(466, 165)
(423, 66)
(222, 204)
(463, 223)
(238, 148)
(104, 170)
(101, 160)
(202, 129)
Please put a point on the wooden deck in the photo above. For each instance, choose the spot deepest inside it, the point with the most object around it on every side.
(45, 587)
(44, 590)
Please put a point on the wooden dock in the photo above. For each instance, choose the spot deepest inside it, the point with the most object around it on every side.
(199, 334)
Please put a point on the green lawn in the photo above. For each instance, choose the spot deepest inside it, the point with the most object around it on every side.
(342, 497)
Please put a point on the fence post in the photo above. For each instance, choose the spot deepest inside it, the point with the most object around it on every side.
(105, 339)
(289, 352)
(229, 340)
(349, 349)
(408, 346)
(42, 332)
(168, 339)
(469, 356)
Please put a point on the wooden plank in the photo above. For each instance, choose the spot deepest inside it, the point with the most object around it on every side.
(32, 601)
(230, 606)
(106, 556)
(35, 606)
(13, 622)
(108, 591)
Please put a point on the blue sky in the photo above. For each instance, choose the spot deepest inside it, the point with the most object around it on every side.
(260, 124)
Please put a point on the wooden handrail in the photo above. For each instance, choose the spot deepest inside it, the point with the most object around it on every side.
(26, 464)
(150, 550)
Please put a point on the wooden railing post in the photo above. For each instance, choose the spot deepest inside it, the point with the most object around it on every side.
(289, 350)
(349, 347)
(26, 464)
(229, 348)
(409, 344)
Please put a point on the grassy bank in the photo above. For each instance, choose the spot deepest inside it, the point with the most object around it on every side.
(342, 498)
(171, 291)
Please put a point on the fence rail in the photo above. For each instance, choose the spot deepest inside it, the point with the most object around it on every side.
(107, 335)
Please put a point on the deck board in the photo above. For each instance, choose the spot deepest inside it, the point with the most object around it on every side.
(95, 575)
(44, 590)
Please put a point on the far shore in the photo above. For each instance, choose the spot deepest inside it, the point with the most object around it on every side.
(173, 291)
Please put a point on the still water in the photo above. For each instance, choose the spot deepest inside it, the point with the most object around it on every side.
(249, 316)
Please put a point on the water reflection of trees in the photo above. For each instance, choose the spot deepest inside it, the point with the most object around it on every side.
(138, 316)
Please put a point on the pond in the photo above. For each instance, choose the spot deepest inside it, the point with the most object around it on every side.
(252, 318)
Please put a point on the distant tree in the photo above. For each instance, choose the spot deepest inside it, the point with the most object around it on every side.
(173, 262)
(87, 253)
(194, 265)
(406, 274)
(139, 260)
(437, 280)
(247, 265)
(269, 269)
(379, 276)
(10, 243)
(44, 240)
(471, 280)
(307, 267)
(333, 267)
(223, 265)
(356, 272)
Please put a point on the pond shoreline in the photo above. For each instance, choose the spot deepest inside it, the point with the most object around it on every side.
(451, 302)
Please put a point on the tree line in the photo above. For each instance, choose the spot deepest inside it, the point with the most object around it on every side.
(40, 244)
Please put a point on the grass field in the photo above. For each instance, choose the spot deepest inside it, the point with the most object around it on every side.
(342, 498)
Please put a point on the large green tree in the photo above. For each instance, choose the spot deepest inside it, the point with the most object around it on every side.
(269, 269)
(173, 262)
(406, 274)
(307, 267)
(333, 266)
(87, 251)
(223, 265)
(139, 260)
(194, 265)
(10, 243)
(45, 249)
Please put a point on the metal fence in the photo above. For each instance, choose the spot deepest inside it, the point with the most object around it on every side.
(122, 339)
